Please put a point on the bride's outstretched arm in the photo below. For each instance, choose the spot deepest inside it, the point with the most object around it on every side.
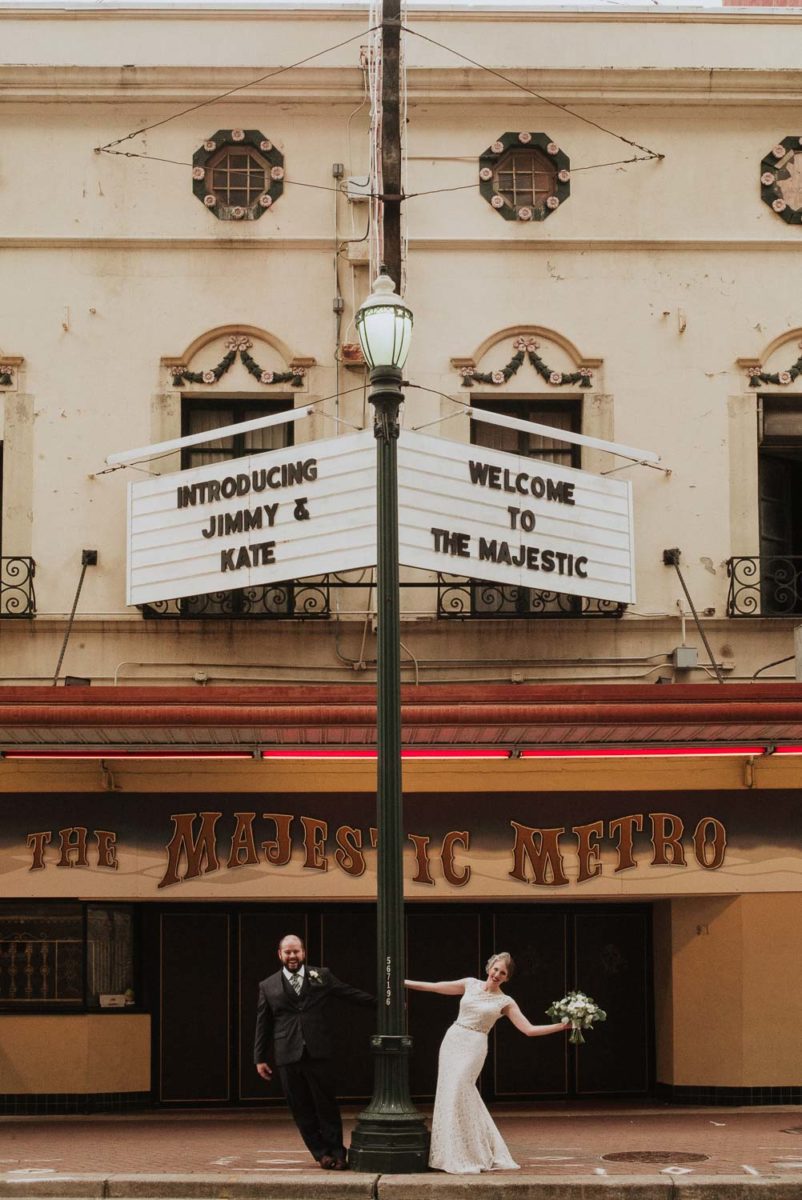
(455, 987)
(512, 1011)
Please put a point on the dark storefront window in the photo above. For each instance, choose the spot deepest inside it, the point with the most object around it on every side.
(201, 413)
(780, 491)
(110, 953)
(558, 414)
(65, 956)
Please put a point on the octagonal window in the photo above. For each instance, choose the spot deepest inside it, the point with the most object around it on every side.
(524, 176)
(238, 174)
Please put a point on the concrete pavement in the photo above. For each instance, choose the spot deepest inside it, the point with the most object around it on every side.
(566, 1153)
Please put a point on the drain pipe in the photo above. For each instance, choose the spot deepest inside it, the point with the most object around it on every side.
(88, 559)
(671, 559)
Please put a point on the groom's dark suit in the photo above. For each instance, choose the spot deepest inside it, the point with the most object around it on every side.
(299, 1029)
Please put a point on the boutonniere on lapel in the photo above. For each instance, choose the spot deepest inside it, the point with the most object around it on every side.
(314, 978)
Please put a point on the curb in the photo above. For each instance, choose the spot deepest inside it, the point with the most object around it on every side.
(305, 1185)
(318, 1186)
(610, 1187)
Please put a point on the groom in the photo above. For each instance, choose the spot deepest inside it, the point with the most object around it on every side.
(292, 1013)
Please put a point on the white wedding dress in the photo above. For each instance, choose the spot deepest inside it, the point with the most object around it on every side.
(464, 1139)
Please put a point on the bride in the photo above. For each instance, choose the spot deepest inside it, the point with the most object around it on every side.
(464, 1138)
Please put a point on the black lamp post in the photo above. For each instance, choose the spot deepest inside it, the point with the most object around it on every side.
(390, 1135)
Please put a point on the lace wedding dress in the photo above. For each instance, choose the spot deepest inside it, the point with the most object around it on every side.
(464, 1139)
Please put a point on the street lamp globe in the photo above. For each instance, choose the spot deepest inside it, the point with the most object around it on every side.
(384, 326)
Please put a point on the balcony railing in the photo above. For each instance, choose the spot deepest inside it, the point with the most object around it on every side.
(17, 597)
(470, 598)
(765, 586)
(448, 597)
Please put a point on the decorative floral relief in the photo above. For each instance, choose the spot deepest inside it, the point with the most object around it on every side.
(526, 348)
(237, 344)
(757, 375)
(781, 179)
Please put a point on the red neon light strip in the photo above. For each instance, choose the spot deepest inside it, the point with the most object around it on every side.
(117, 753)
(639, 751)
(414, 752)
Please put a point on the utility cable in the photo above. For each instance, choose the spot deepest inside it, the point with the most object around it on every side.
(231, 91)
(342, 189)
(531, 92)
(168, 453)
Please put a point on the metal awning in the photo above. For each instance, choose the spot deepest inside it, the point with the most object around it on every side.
(437, 719)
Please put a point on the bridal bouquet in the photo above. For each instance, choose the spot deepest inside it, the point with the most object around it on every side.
(578, 1009)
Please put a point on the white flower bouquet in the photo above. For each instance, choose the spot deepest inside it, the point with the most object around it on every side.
(579, 1010)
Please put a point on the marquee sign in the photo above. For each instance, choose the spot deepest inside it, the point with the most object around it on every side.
(519, 521)
(309, 509)
(283, 514)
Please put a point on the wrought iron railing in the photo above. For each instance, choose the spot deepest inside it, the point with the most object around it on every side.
(17, 597)
(307, 599)
(765, 586)
(448, 597)
(469, 598)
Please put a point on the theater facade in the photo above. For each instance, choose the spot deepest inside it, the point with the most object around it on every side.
(601, 742)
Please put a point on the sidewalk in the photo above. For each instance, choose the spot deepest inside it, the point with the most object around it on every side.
(644, 1153)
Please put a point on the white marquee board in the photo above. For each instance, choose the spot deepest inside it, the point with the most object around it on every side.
(469, 510)
(265, 518)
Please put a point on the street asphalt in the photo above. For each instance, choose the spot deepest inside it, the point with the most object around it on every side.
(566, 1153)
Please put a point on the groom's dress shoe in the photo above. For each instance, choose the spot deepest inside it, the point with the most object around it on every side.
(327, 1162)
(340, 1164)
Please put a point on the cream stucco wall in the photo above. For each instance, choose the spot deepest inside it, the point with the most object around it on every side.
(118, 265)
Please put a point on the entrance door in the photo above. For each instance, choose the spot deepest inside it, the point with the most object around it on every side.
(602, 951)
(210, 960)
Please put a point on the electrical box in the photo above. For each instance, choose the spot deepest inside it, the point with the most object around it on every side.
(685, 657)
(358, 188)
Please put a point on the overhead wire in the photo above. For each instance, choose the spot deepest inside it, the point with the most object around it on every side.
(531, 92)
(374, 196)
(167, 453)
(231, 91)
(373, 90)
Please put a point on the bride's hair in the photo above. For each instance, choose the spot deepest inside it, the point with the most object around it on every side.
(506, 959)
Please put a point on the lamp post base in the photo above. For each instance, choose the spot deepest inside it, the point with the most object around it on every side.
(390, 1137)
(390, 1144)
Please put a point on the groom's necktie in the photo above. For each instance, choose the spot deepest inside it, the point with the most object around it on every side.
(297, 983)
